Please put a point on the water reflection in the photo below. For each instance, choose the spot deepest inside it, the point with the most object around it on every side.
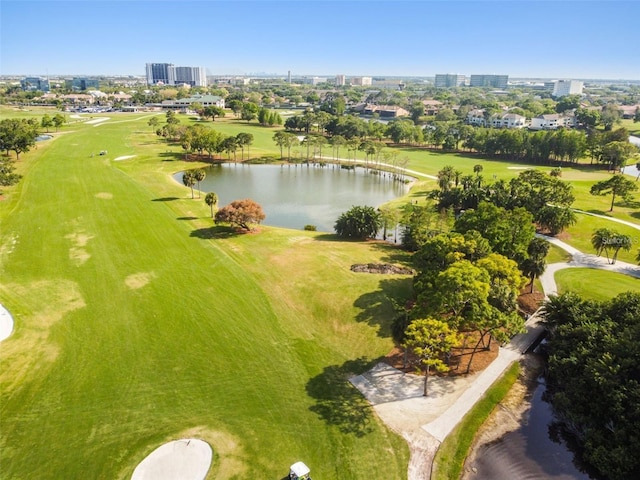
(534, 451)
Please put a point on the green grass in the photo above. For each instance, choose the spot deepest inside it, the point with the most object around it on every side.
(134, 327)
(595, 284)
(557, 255)
(137, 322)
(450, 457)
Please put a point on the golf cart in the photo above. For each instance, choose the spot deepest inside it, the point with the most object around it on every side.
(299, 471)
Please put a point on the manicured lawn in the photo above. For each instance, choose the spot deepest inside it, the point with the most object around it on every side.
(595, 284)
(557, 255)
(138, 323)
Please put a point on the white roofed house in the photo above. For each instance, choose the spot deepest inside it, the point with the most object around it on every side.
(508, 120)
(553, 121)
(476, 117)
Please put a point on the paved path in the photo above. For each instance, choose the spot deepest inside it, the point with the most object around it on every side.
(6, 323)
(424, 422)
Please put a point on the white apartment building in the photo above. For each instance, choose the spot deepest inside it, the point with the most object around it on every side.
(553, 121)
(446, 80)
(361, 81)
(567, 87)
(341, 80)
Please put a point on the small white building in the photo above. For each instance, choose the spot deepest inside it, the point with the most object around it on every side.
(476, 117)
(508, 120)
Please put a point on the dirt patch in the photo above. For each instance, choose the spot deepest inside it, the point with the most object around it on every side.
(381, 268)
(530, 302)
(104, 195)
(77, 253)
(139, 280)
(458, 363)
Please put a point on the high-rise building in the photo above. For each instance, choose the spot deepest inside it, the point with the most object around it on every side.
(495, 81)
(35, 83)
(80, 84)
(194, 76)
(341, 80)
(446, 80)
(169, 74)
(567, 87)
(163, 73)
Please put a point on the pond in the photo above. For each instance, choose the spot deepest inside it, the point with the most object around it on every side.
(534, 451)
(293, 196)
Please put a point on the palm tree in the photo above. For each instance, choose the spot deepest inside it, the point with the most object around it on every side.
(189, 180)
(199, 175)
(535, 265)
(619, 242)
(211, 199)
(601, 239)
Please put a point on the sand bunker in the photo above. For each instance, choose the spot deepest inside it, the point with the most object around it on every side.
(138, 280)
(186, 459)
(518, 168)
(125, 157)
(6, 323)
(104, 195)
(95, 121)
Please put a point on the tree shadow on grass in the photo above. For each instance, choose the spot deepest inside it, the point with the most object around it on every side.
(338, 402)
(165, 199)
(217, 231)
(170, 156)
(376, 308)
(394, 254)
(186, 218)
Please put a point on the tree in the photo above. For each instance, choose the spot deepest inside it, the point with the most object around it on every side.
(358, 222)
(213, 112)
(153, 122)
(18, 135)
(171, 118)
(58, 120)
(46, 122)
(235, 105)
(249, 111)
(189, 180)
(617, 185)
(199, 175)
(555, 219)
(211, 199)
(241, 213)
(336, 142)
(535, 265)
(430, 340)
(244, 140)
(610, 116)
(7, 177)
(616, 154)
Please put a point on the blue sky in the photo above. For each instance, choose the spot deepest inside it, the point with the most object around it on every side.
(542, 38)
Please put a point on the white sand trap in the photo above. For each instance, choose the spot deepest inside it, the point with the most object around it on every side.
(186, 459)
(6, 323)
(124, 157)
(75, 116)
(518, 168)
(97, 120)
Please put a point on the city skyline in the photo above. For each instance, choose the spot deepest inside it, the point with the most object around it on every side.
(519, 38)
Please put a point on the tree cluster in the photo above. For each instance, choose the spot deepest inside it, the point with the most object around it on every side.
(359, 222)
(594, 378)
(546, 197)
(18, 135)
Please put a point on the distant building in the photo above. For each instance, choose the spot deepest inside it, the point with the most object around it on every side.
(562, 88)
(447, 80)
(184, 103)
(311, 80)
(80, 84)
(35, 83)
(553, 121)
(431, 107)
(169, 74)
(495, 81)
(500, 120)
(341, 80)
(360, 81)
(194, 76)
(160, 73)
(385, 111)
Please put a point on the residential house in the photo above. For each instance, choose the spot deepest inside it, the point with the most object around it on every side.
(553, 121)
